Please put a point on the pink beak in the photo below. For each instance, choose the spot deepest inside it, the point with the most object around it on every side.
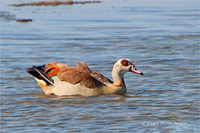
(134, 70)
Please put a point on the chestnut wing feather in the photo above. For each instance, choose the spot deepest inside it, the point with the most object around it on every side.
(81, 74)
(83, 67)
(101, 77)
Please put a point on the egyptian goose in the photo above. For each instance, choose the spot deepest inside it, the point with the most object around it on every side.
(60, 79)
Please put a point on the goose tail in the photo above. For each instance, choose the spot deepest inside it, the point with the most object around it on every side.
(41, 77)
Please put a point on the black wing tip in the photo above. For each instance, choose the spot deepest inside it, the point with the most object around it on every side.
(30, 70)
(38, 72)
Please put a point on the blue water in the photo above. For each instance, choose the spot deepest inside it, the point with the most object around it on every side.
(160, 37)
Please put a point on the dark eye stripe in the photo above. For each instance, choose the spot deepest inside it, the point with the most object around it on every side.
(125, 62)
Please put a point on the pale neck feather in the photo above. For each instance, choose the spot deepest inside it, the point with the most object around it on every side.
(118, 77)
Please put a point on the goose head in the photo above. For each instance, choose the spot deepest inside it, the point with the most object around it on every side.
(123, 66)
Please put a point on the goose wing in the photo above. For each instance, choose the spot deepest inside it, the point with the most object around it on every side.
(74, 75)
(100, 77)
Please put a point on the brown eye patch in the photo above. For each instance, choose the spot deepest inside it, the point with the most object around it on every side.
(125, 62)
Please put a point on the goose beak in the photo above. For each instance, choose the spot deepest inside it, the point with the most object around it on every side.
(133, 69)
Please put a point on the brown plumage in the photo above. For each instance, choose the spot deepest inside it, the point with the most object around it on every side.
(80, 74)
(52, 68)
(80, 80)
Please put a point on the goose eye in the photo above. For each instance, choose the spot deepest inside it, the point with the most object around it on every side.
(125, 62)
